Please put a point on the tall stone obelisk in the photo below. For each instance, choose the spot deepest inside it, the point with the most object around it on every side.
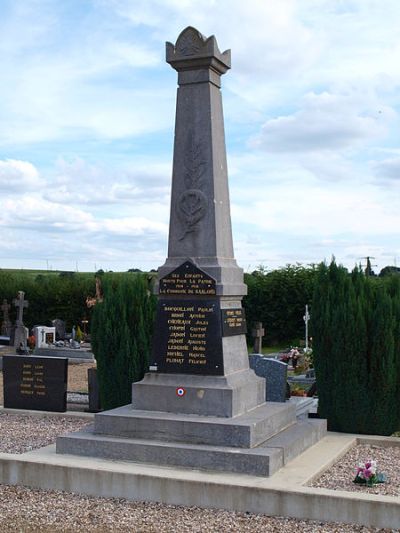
(200, 406)
(200, 327)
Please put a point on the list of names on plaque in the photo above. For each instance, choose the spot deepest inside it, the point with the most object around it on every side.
(233, 322)
(188, 337)
(187, 280)
(32, 382)
(35, 382)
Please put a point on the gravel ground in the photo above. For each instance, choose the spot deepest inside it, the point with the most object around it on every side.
(340, 476)
(29, 510)
(22, 433)
(33, 510)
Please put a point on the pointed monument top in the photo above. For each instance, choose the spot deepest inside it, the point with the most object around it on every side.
(193, 50)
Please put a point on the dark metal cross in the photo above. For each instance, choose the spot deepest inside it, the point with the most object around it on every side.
(20, 303)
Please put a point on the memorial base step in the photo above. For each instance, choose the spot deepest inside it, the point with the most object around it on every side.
(243, 431)
(263, 460)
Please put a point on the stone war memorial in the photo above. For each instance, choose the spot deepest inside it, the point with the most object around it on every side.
(200, 405)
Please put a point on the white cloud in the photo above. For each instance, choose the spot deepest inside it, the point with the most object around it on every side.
(388, 170)
(84, 84)
(325, 122)
(18, 176)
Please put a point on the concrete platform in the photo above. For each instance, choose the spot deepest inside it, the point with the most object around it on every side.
(283, 494)
(258, 442)
(263, 460)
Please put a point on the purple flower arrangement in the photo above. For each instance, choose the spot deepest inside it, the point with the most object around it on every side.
(367, 474)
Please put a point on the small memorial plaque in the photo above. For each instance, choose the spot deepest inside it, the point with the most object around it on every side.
(188, 337)
(37, 383)
(187, 280)
(233, 322)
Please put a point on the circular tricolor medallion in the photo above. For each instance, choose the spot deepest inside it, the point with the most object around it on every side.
(180, 391)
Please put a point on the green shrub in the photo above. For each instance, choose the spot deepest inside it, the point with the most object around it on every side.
(355, 325)
(122, 326)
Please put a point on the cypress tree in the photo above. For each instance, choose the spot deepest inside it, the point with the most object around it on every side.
(121, 336)
(382, 376)
(356, 329)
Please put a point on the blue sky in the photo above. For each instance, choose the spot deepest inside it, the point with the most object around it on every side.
(87, 107)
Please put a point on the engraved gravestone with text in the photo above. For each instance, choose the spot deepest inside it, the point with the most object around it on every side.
(38, 383)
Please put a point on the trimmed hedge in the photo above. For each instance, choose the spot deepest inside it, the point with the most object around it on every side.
(355, 323)
(122, 327)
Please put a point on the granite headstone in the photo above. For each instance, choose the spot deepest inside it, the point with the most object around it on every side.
(37, 383)
(275, 374)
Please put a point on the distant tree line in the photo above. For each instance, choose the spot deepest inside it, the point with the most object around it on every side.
(277, 298)
(50, 296)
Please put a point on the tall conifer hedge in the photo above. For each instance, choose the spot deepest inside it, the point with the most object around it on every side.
(356, 343)
(122, 327)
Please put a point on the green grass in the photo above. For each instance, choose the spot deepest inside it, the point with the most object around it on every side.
(274, 349)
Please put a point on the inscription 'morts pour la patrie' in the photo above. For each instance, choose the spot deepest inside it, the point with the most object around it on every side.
(188, 337)
(188, 280)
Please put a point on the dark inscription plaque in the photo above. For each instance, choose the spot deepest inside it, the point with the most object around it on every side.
(233, 322)
(38, 383)
(187, 280)
(188, 337)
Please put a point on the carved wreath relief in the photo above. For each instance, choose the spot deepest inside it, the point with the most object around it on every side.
(192, 203)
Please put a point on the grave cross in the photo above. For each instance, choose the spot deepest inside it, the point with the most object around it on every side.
(258, 334)
(306, 319)
(20, 303)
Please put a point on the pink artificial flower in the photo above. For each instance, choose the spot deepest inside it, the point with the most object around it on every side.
(367, 473)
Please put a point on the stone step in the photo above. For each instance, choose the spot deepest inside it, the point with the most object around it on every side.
(296, 439)
(243, 431)
(262, 460)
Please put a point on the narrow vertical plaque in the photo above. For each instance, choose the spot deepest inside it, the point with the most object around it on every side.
(233, 322)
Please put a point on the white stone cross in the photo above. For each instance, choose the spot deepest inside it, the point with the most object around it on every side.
(306, 319)
(21, 304)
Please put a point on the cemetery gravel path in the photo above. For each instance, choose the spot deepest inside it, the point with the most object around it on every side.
(32, 510)
(36, 510)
